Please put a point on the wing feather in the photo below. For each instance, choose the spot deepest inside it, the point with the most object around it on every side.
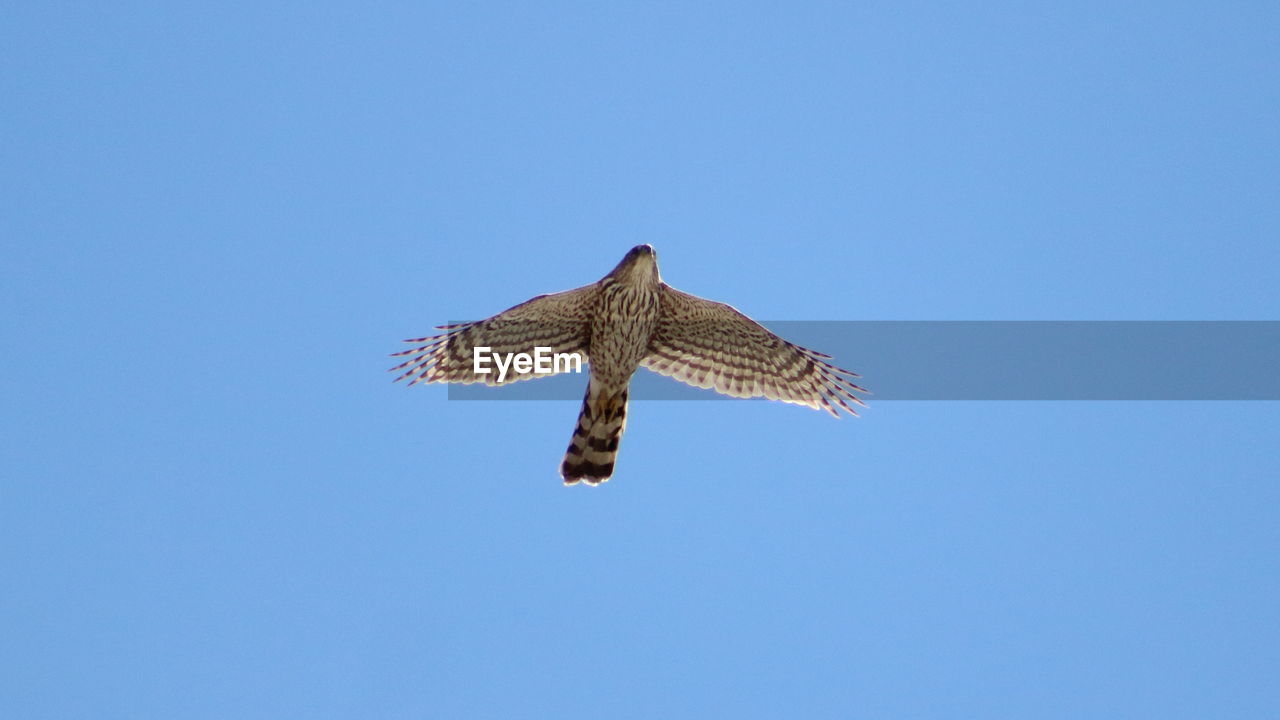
(559, 321)
(712, 345)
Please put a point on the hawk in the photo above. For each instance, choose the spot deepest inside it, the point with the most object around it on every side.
(631, 319)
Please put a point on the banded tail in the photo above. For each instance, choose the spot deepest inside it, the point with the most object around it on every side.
(594, 446)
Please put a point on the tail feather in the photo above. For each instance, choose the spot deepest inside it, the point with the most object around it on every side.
(594, 446)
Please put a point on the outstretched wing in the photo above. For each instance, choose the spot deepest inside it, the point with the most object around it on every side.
(711, 345)
(559, 321)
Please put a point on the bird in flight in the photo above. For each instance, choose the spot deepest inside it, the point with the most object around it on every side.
(631, 319)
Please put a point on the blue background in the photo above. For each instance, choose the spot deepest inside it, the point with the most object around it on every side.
(218, 221)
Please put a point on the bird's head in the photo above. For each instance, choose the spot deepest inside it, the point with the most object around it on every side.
(639, 267)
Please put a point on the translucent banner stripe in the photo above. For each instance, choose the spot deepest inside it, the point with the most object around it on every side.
(1003, 360)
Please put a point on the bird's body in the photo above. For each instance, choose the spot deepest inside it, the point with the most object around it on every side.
(626, 316)
(631, 319)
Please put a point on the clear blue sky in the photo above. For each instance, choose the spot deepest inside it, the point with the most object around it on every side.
(218, 221)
